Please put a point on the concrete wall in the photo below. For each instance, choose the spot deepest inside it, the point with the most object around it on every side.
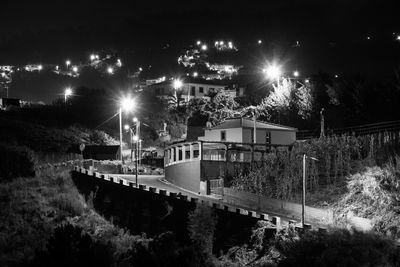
(185, 175)
(283, 137)
(253, 201)
(232, 135)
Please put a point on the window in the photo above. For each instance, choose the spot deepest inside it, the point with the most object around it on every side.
(193, 90)
(268, 137)
(201, 90)
(223, 135)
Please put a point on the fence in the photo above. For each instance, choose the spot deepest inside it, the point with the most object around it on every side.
(366, 129)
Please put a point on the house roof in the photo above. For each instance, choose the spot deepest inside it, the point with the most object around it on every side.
(187, 80)
(248, 123)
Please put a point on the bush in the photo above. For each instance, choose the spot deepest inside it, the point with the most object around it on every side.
(16, 161)
(71, 246)
(68, 203)
(338, 248)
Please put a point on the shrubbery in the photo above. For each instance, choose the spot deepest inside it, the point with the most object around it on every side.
(279, 175)
(16, 161)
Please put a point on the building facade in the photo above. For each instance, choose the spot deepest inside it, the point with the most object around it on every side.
(192, 88)
(241, 130)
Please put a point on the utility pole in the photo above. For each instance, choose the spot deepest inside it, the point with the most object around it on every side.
(322, 133)
(120, 135)
(303, 204)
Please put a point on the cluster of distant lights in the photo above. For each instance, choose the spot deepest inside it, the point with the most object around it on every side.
(220, 45)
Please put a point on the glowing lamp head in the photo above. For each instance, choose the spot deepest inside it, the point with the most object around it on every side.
(135, 138)
(296, 73)
(259, 42)
(68, 91)
(221, 43)
(40, 67)
(126, 127)
(273, 72)
(92, 57)
(110, 70)
(127, 104)
(195, 74)
(75, 69)
(177, 84)
(204, 47)
(198, 42)
(67, 62)
(135, 119)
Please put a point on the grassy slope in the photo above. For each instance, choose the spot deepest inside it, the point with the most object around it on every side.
(31, 208)
(44, 138)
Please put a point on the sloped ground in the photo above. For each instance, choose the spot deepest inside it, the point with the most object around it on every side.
(374, 194)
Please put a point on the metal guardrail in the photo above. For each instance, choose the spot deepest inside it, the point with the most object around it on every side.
(365, 129)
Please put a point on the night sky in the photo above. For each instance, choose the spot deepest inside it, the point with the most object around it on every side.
(335, 36)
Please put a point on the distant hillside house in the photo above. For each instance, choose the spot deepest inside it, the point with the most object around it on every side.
(240, 130)
(192, 88)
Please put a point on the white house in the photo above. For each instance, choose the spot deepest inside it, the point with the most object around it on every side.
(241, 130)
(192, 88)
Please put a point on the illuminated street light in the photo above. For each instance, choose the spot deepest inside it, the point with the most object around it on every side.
(135, 119)
(40, 67)
(204, 47)
(140, 69)
(216, 43)
(273, 72)
(67, 63)
(296, 73)
(198, 42)
(110, 70)
(221, 43)
(57, 67)
(259, 42)
(230, 45)
(75, 69)
(177, 84)
(67, 92)
(126, 127)
(135, 138)
(398, 38)
(307, 80)
(127, 104)
(92, 57)
(195, 74)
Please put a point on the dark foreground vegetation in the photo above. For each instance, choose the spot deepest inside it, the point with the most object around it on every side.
(45, 221)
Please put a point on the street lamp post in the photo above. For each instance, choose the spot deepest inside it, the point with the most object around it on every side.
(126, 105)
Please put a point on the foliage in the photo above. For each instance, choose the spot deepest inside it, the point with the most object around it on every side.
(287, 247)
(374, 194)
(338, 248)
(71, 246)
(201, 226)
(47, 139)
(16, 161)
(279, 174)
